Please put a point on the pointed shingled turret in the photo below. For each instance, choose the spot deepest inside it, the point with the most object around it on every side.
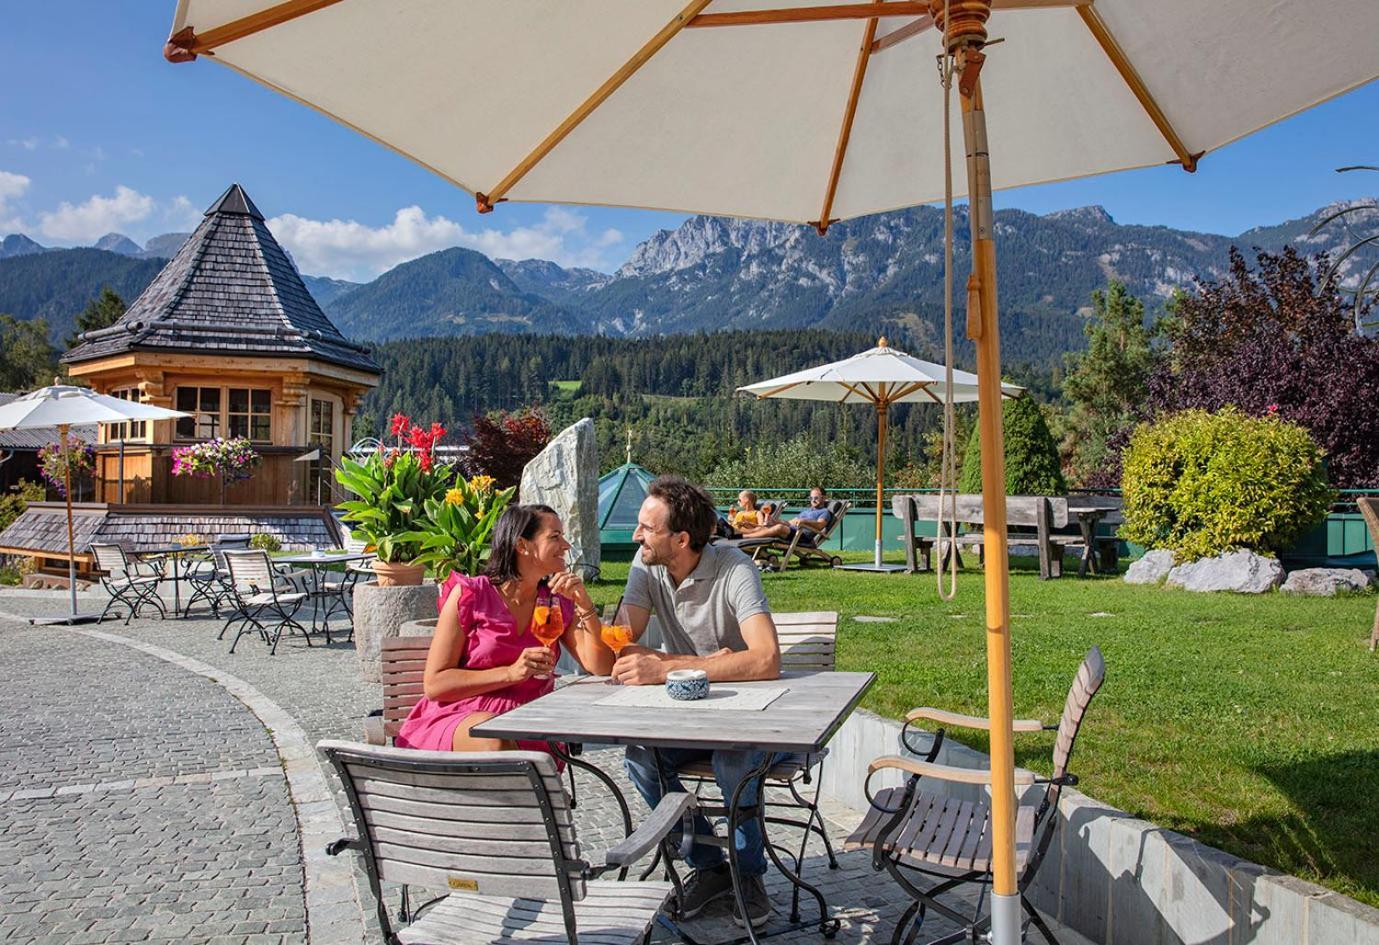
(231, 289)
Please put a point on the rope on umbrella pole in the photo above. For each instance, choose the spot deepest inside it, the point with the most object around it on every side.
(947, 459)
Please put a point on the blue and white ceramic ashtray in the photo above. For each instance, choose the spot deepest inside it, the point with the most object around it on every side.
(687, 684)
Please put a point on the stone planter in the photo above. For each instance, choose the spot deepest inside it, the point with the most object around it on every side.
(397, 574)
(381, 612)
(418, 628)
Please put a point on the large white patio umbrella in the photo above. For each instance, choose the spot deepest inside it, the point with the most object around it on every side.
(879, 376)
(64, 406)
(807, 111)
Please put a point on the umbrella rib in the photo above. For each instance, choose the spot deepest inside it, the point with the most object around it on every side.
(779, 390)
(859, 75)
(852, 389)
(586, 108)
(1132, 78)
(837, 11)
(186, 44)
(913, 28)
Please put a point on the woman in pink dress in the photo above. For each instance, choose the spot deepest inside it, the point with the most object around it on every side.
(484, 659)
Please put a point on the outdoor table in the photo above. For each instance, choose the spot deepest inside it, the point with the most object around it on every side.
(317, 563)
(1088, 517)
(174, 552)
(800, 721)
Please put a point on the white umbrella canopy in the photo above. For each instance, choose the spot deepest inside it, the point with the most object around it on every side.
(879, 376)
(64, 406)
(475, 90)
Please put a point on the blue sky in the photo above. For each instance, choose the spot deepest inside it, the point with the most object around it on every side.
(99, 134)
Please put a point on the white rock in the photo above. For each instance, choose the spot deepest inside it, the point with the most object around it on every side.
(565, 476)
(1151, 569)
(1241, 571)
(1326, 582)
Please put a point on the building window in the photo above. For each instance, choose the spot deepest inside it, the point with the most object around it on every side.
(323, 428)
(133, 429)
(250, 414)
(225, 411)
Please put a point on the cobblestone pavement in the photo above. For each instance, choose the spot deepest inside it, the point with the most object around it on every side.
(125, 714)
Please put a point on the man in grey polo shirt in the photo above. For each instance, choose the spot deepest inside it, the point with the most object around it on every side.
(713, 616)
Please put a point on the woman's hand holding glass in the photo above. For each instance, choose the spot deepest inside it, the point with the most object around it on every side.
(533, 662)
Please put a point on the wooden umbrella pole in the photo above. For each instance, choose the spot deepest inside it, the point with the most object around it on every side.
(63, 430)
(882, 408)
(984, 330)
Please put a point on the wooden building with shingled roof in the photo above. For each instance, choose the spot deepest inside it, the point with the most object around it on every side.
(228, 333)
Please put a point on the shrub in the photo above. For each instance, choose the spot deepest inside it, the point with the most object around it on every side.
(266, 541)
(1032, 465)
(501, 444)
(14, 502)
(792, 464)
(1201, 483)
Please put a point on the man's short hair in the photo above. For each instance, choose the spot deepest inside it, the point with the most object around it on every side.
(822, 491)
(691, 508)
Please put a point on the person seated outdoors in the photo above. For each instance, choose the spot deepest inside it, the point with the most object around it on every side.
(713, 616)
(814, 521)
(484, 658)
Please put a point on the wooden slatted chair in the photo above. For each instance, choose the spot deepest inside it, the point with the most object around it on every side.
(254, 586)
(929, 836)
(1369, 508)
(808, 643)
(132, 583)
(493, 830)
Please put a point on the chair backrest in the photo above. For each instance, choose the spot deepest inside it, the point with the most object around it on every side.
(249, 570)
(808, 640)
(1088, 680)
(110, 558)
(1023, 510)
(492, 823)
(402, 662)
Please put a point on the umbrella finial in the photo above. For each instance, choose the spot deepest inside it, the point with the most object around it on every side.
(882, 342)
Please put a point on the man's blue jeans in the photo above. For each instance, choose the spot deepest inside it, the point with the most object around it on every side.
(729, 769)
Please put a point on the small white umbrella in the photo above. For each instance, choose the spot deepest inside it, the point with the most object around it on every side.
(879, 376)
(64, 406)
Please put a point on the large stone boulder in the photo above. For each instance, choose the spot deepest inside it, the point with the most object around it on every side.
(1326, 582)
(1241, 571)
(565, 476)
(381, 612)
(1151, 569)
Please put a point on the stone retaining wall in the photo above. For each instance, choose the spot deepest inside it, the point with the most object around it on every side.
(1123, 881)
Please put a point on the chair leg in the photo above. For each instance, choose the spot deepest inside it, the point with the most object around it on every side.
(1038, 921)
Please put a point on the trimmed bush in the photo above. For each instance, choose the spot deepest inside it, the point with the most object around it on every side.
(1032, 466)
(796, 463)
(1204, 483)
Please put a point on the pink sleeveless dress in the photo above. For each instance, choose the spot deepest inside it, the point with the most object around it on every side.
(491, 639)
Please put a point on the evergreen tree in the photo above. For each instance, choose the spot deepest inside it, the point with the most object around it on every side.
(101, 312)
(1108, 383)
(1032, 466)
(26, 359)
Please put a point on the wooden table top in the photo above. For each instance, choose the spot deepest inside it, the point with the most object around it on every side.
(803, 719)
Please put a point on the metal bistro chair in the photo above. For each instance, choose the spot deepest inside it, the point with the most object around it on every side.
(209, 577)
(132, 583)
(254, 589)
(494, 833)
(918, 835)
(808, 642)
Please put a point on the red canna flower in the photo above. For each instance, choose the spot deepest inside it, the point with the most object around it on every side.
(401, 423)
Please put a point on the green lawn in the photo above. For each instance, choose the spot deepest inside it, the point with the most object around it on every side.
(1249, 723)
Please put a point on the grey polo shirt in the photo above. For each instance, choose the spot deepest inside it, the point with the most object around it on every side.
(705, 613)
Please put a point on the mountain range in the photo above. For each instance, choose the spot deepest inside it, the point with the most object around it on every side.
(713, 273)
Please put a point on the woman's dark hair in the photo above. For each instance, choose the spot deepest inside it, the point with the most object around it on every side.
(691, 509)
(517, 521)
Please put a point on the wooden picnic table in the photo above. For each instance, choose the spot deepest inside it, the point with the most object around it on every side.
(801, 720)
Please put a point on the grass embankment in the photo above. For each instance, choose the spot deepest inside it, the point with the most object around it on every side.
(1249, 723)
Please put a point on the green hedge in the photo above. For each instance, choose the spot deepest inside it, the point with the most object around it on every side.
(1032, 466)
(1204, 483)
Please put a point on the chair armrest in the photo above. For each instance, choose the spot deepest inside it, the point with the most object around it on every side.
(944, 717)
(374, 731)
(653, 830)
(928, 769)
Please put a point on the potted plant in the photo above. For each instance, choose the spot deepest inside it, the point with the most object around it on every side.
(392, 487)
(458, 527)
(229, 460)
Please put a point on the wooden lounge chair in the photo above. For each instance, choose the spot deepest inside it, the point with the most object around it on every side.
(775, 553)
(493, 832)
(808, 642)
(932, 837)
(132, 583)
(1369, 508)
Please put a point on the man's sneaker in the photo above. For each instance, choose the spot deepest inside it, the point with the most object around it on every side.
(704, 887)
(758, 903)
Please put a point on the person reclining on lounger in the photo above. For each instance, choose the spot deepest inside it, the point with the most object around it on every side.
(747, 516)
(814, 521)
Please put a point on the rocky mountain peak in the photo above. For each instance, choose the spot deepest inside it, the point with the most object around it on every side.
(700, 237)
(1086, 215)
(17, 244)
(118, 243)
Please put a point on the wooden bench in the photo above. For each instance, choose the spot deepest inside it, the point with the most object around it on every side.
(1045, 521)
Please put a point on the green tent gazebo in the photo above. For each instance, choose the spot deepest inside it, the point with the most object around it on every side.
(621, 492)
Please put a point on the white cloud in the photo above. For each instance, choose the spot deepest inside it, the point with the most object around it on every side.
(347, 249)
(61, 143)
(96, 216)
(12, 186)
(179, 214)
(28, 144)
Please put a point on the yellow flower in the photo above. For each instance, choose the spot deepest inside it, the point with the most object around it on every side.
(481, 484)
(454, 497)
